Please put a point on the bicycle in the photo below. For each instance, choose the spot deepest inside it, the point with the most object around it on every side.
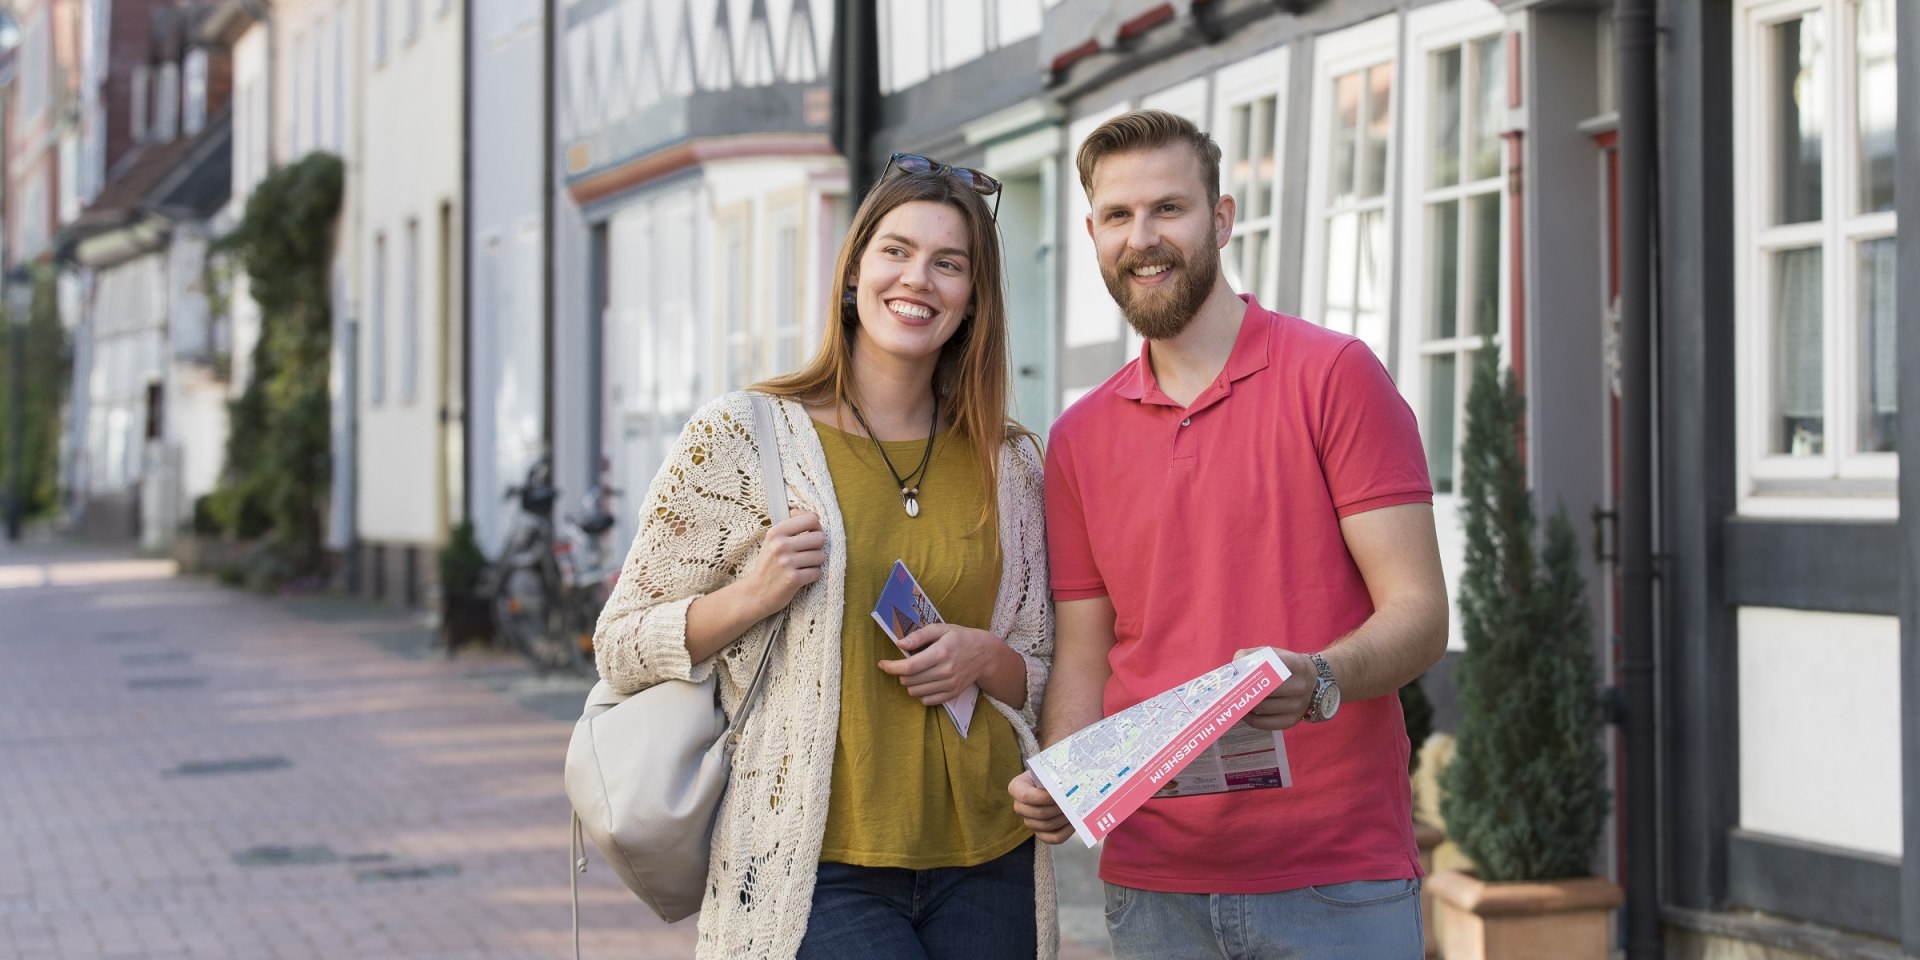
(550, 581)
(587, 575)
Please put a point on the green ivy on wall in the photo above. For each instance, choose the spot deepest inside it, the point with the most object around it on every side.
(46, 368)
(278, 467)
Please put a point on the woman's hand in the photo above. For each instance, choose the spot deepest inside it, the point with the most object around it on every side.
(1037, 808)
(944, 660)
(792, 557)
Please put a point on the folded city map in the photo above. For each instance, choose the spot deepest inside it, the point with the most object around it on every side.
(1184, 742)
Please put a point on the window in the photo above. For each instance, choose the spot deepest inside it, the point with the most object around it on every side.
(377, 325)
(166, 113)
(317, 88)
(1458, 184)
(137, 102)
(196, 113)
(381, 14)
(1349, 250)
(297, 73)
(789, 334)
(1248, 108)
(1814, 178)
(339, 142)
(735, 277)
(410, 318)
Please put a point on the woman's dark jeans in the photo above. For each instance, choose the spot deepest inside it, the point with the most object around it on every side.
(979, 913)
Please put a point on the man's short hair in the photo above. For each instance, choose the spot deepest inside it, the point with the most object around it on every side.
(1149, 130)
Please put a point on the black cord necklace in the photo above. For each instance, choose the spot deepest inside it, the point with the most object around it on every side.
(909, 489)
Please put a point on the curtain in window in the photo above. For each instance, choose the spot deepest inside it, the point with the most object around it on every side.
(1797, 387)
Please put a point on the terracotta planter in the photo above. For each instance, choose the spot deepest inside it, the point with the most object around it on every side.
(1564, 919)
(1427, 836)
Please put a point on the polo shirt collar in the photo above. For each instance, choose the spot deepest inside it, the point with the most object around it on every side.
(1250, 355)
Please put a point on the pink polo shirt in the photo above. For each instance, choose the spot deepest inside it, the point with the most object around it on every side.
(1217, 527)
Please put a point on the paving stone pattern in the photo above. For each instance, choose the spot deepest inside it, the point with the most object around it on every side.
(190, 771)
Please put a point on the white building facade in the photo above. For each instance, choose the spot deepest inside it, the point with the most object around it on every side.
(407, 214)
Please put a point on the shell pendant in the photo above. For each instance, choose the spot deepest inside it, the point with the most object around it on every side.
(911, 500)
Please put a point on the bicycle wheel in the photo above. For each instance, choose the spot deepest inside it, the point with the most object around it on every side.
(521, 611)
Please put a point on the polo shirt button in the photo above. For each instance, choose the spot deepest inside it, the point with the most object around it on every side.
(1188, 422)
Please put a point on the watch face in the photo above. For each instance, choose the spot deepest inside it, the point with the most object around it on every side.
(1329, 701)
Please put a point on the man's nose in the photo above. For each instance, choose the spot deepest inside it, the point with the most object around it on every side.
(1143, 236)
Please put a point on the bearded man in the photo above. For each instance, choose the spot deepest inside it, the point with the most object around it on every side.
(1251, 479)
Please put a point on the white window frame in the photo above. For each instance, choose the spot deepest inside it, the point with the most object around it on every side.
(1337, 54)
(1429, 30)
(1834, 483)
(1245, 84)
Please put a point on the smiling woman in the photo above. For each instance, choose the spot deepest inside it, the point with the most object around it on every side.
(849, 750)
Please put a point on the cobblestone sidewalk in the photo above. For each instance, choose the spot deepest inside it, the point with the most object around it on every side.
(196, 772)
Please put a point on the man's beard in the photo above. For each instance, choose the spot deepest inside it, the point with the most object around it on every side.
(1161, 313)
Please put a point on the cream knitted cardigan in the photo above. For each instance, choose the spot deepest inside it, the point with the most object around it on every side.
(700, 527)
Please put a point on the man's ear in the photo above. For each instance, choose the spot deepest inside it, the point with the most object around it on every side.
(1223, 211)
(1089, 226)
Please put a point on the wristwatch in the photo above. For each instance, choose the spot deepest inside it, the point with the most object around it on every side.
(1326, 695)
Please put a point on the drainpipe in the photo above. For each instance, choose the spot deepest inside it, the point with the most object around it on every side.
(465, 218)
(549, 31)
(856, 91)
(1636, 65)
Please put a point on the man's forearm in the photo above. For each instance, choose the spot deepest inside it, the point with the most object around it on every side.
(1395, 645)
(1072, 704)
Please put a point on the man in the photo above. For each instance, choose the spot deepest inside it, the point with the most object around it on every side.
(1250, 479)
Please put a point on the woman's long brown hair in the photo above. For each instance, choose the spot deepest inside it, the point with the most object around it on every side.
(970, 378)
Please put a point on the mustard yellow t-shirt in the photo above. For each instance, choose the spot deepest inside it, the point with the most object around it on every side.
(908, 790)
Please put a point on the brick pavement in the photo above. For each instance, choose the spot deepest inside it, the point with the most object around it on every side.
(189, 771)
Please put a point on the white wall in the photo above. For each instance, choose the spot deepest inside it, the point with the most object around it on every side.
(1820, 727)
(410, 167)
(129, 352)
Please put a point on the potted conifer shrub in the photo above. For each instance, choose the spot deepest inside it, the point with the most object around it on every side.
(1417, 709)
(465, 612)
(1524, 797)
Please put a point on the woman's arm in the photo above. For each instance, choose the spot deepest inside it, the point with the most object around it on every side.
(701, 528)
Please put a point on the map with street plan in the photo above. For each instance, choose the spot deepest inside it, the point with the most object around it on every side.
(1104, 772)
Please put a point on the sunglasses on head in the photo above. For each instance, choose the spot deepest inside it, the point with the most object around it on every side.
(976, 181)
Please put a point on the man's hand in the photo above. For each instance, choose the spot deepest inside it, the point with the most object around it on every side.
(1287, 704)
(944, 661)
(1035, 806)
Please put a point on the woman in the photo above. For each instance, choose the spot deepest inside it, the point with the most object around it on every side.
(858, 819)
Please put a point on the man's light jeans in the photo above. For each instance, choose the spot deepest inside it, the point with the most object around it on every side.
(1362, 920)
